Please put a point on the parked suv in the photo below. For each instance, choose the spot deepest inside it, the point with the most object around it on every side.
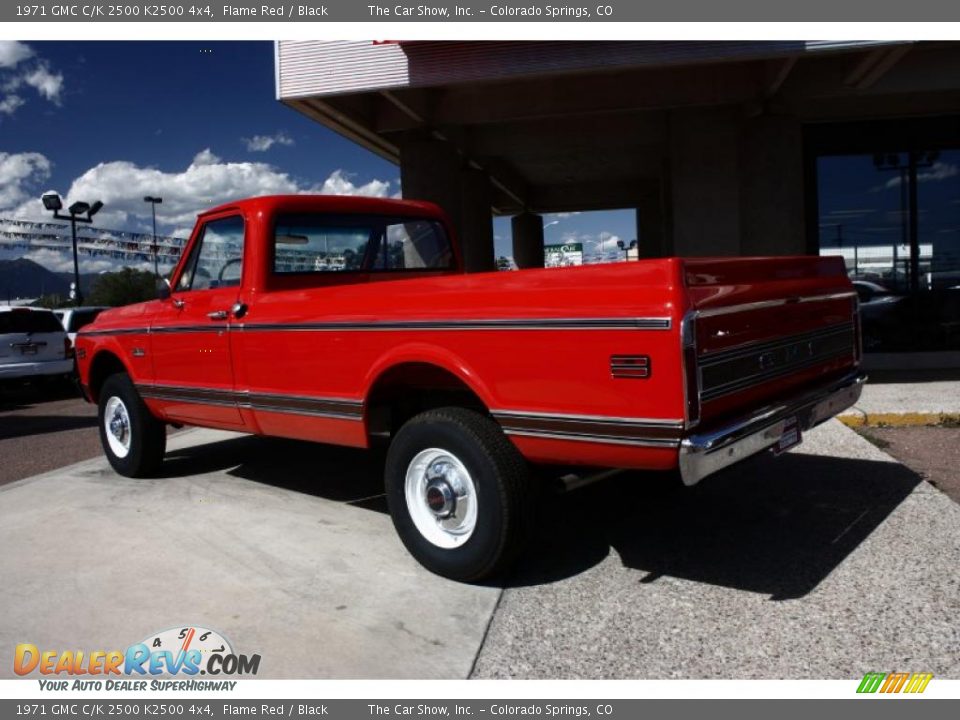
(75, 318)
(33, 344)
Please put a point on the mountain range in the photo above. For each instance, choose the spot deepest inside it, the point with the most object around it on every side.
(23, 278)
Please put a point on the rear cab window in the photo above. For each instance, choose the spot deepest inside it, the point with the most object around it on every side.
(325, 243)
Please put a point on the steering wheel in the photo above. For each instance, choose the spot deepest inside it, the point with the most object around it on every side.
(228, 263)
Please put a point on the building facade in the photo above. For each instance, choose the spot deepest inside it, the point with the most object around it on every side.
(722, 148)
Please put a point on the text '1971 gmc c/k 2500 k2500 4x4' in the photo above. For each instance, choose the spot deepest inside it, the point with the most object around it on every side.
(349, 320)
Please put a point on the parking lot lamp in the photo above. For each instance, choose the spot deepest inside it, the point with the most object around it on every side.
(156, 248)
(79, 212)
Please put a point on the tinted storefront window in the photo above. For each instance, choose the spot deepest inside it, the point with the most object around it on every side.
(893, 213)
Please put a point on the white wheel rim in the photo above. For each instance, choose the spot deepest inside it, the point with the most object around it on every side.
(441, 498)
(116, 424)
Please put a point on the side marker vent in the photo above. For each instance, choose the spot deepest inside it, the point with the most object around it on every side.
(630, 366)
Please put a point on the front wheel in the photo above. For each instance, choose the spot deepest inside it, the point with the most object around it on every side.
(458, 492)
(133, 440)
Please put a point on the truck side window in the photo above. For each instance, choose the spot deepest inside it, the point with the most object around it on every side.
(217, 261)
(414, 245)
(331, 243)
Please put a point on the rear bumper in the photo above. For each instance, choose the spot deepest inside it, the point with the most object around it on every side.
(705, 453)
(11, 371)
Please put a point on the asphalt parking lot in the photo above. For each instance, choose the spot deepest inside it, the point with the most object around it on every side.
(827, 562)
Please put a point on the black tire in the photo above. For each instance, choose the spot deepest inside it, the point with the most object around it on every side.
(147, 435)
(501, 479)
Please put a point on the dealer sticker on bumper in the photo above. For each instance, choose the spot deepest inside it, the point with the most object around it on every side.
(790, 437)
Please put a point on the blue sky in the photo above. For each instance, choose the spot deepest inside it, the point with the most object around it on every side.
(197, 123)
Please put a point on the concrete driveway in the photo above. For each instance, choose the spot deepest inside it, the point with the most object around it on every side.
(827, 562)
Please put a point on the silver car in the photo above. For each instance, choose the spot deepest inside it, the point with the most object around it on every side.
(33, 344)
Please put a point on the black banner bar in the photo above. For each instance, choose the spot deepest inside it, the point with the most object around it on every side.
(484, 11)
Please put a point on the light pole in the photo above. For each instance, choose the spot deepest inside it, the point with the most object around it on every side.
(156, 248)
(52, 202)
(626, 248)
(908, 204)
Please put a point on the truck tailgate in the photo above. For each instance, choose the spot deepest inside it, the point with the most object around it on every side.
(765, 328)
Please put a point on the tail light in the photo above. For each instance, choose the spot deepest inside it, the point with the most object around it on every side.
(691, 379)
(857, 331)
(67, 349)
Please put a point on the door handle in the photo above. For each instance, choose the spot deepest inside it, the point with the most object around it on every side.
(218, 315)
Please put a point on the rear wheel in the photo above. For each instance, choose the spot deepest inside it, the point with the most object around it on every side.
(133, 440)
(458, 492)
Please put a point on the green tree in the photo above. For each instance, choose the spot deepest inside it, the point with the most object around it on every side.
(123, 288)
(52, 302)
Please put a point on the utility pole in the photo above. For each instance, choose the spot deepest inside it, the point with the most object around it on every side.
(155, 247)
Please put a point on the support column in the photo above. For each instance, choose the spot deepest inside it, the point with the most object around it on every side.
(476, 226)
(705, 181)
(527, 240)
(651, 235)
(771, 182)
(433, 170)
(430, 170)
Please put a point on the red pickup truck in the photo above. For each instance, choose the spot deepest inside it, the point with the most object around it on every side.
(350, 321)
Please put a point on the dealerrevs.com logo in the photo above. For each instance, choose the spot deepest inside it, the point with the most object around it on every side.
(185, 652)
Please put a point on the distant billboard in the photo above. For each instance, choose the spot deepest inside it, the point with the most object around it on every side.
(563, 255)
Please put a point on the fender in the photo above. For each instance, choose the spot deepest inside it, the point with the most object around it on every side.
(428, 354)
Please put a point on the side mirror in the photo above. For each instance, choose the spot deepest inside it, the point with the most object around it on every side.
(164, 291)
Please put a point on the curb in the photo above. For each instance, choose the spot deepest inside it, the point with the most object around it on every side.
(858, 418)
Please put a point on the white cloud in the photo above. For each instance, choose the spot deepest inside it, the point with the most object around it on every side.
(262, 143)
(602, 244)
(62, 261)
(939, 171)
(205, 157)
(606, 242)
(9, 104)
(339, 183)
(121, 185)
(18, 68)
(13, 52)
(20, 174)
(45, 82)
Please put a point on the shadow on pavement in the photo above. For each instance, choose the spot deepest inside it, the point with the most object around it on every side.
(883, 377)
(335, 473)
(777, 526)
(26, 425)
(21, 395)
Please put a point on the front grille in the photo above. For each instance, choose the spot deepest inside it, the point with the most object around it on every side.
(727, 371)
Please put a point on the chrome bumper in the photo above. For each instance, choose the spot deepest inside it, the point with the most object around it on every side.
(705, 453)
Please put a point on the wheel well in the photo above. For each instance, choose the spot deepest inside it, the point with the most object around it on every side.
(408, 389)
(104, 365)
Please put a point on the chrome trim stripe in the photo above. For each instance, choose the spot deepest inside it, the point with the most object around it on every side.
(339, 408)
(646, 422)
(626, 323)
(759, 346)
(603, 439)
(722, 390)
(119, 331)
(620, 431)
(218, 327)
(662, 323)
(761, 304)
